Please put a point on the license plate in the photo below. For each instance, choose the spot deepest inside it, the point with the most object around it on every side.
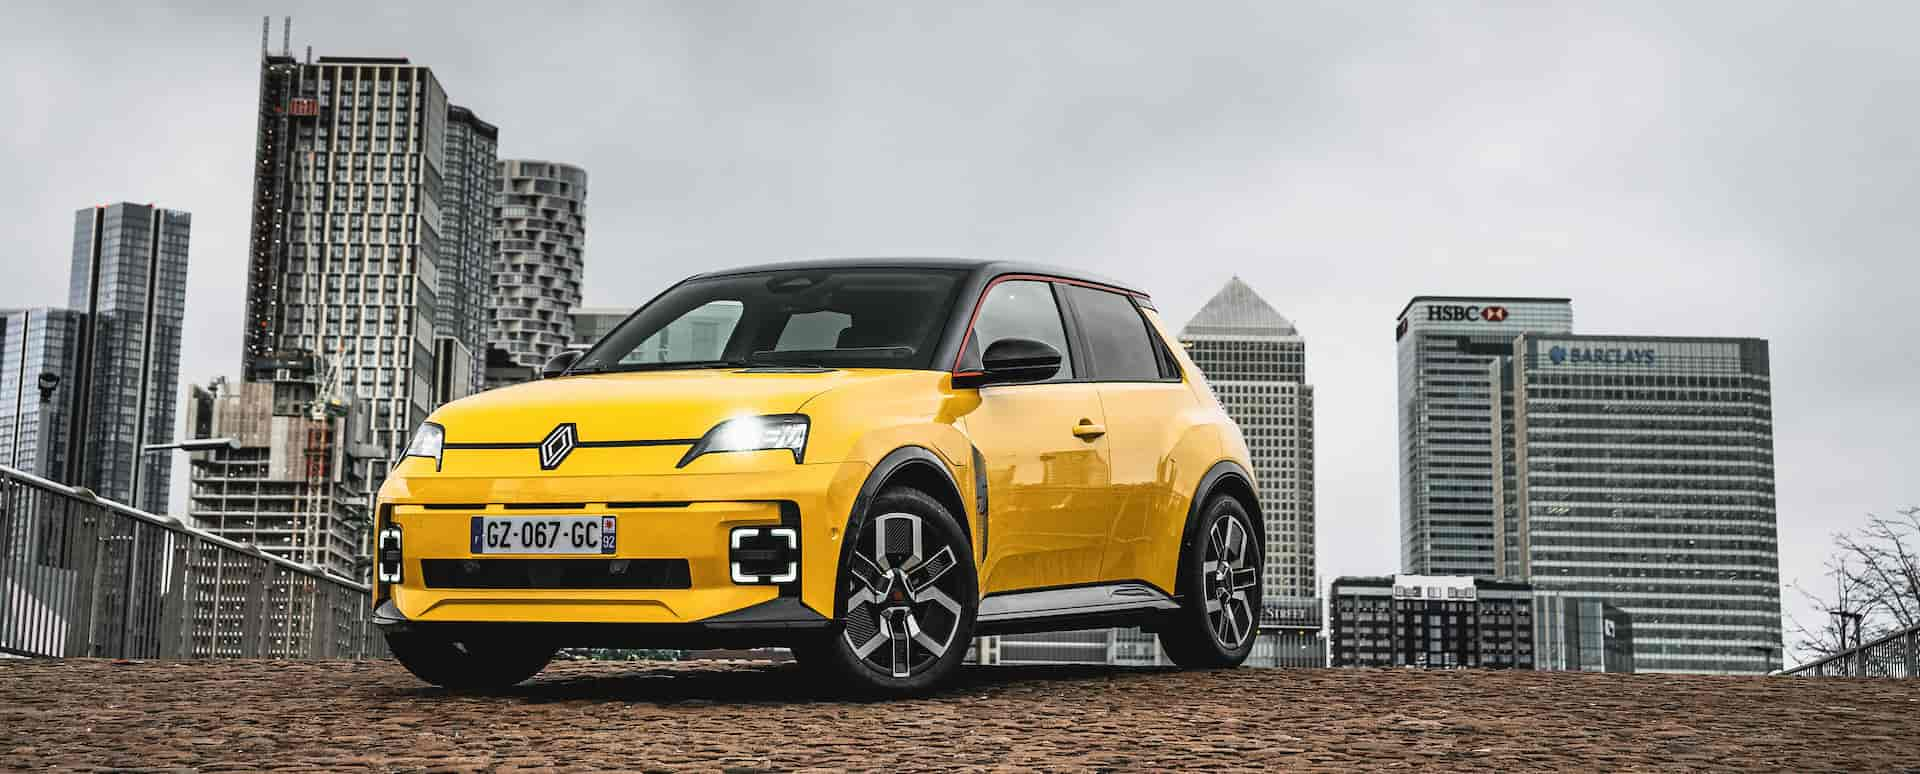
(544, 535)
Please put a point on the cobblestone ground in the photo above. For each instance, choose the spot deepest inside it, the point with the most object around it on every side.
(244, 715)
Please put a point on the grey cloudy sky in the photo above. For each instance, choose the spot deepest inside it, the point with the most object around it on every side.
(1736, 168)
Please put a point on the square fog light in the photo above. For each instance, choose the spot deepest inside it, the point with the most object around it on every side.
(764, 555)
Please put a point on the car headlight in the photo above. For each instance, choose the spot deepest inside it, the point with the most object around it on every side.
(776, 431)
(428, 441)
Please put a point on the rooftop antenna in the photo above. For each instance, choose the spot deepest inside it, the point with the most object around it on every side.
(286, 38)
(309, 54)
(266, 28)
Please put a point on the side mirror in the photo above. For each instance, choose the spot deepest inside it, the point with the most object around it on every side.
(559, 364)
(1015, 360)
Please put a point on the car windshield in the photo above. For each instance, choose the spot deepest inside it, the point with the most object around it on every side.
(830, 318)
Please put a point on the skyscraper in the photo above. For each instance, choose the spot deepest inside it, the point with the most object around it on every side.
(1255, 361)
(348, 262)
(466, 246)
(38, 351)
(1643, 479)
(1448, 346)
(129, 282)
(541, 246)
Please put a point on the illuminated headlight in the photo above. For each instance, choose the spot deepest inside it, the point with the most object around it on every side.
(428, 442)
(777, 431)
(387, 555)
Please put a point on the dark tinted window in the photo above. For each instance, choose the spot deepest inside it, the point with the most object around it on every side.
(837, 317)
(1023, 309)
(1115, 334)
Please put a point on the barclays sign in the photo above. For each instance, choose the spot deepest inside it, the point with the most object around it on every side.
(1560, 355)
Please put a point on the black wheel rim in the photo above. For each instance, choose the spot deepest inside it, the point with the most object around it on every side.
(902, 609)
(1231, 577)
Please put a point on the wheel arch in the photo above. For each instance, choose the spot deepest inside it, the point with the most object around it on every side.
(1229, 478)
(914, 466)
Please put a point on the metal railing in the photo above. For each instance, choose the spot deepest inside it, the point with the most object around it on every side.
(1891, 655)
(85, 576)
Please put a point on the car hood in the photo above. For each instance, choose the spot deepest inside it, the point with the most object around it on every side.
(646, 405)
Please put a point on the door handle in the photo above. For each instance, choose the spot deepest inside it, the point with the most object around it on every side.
(1088, 431)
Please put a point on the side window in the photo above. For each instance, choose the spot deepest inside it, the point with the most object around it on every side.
(1117, 338)
(1019, 309)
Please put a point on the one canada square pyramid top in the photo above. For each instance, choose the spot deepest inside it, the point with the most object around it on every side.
(1236, 311)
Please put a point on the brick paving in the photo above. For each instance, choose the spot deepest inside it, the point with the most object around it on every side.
(330, 716)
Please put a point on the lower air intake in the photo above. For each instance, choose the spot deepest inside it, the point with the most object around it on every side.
(555, 573)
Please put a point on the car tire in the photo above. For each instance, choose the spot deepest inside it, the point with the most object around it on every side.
(1219, 611)
(468, 664)
(905, 599)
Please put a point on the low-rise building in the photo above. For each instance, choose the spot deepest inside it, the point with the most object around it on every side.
(1431, 621)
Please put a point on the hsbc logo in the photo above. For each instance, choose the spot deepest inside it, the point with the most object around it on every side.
(1457, 313)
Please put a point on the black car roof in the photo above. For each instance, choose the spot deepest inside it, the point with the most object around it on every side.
(977, 266)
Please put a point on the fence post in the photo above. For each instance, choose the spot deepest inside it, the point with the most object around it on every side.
(86, 547)
(253, 610)
(175, 606)
(1913, 653)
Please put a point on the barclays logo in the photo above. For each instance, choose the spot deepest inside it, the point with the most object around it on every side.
(1560, 355)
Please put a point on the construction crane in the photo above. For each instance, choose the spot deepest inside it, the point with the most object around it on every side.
(317, 509)
(313, 528)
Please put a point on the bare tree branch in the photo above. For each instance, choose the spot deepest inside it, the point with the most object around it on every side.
(1876, 574)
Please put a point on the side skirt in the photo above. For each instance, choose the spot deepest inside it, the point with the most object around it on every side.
(1129, 603)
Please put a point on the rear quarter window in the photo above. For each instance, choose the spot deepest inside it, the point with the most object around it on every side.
(1116, 336)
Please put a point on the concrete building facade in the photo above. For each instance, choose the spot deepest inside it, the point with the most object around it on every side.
(1446, 622)
(541, 244)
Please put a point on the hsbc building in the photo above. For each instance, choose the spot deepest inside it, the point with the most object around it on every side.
(1448, 350)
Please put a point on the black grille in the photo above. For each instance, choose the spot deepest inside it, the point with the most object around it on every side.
(555, 573)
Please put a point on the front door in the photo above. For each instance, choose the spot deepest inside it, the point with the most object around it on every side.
(1046, 454)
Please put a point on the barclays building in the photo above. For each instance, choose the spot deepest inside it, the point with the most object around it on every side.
(1639, 473)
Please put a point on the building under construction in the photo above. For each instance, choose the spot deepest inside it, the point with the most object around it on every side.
(295, 487)
(370, 241)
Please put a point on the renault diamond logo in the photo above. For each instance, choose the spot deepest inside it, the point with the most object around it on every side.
(558, 445)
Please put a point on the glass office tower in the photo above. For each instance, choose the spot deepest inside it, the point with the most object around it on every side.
(1643, 476)
(1448, 346)
(129, 281)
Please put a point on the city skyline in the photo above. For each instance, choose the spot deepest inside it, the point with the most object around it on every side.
(1379, 194)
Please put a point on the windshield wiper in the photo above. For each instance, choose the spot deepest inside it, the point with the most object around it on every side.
(679, 365)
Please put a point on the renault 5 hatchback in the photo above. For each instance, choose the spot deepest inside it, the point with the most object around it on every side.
(870, 462)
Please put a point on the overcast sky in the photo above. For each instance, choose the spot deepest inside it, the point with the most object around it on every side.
(1717, 169)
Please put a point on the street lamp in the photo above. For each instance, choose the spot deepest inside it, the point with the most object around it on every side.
(190, 445)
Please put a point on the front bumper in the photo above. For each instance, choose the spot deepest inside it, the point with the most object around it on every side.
(675, 517)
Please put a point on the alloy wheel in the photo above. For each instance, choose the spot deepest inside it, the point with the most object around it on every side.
(1229, 579)
(902, 614)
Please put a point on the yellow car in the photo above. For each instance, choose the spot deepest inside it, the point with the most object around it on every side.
(870, 462)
